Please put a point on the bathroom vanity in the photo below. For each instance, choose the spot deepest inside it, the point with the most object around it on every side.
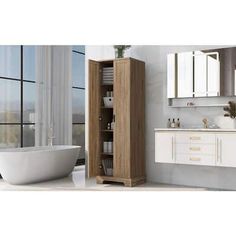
(209, 147)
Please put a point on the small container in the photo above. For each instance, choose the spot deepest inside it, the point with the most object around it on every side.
(169, 123)
(110, 147)
(173, 123)
(112, 124)
(105, 147)
(108, 101)
(178, 123)
(109, 171)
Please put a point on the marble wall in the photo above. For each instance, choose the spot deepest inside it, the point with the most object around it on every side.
(157, 113)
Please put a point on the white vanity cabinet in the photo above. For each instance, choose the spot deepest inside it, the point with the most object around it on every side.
(191, 147)
(164, 147)
(226, 147)
(195, 148)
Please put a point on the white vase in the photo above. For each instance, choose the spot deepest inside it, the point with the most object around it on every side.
(225, 122)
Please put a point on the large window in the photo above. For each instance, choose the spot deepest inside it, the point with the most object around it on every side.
(17, 100)
(78, 95)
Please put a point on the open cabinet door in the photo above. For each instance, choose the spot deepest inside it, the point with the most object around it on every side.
(94, 114)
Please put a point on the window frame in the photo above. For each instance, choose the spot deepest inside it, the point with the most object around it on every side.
(21, 80)
(79, 161)
(79, 88)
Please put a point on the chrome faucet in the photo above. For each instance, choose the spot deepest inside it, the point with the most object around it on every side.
(205, 123)
(50, 137)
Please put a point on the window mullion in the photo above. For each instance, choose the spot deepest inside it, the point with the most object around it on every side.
(21, 96)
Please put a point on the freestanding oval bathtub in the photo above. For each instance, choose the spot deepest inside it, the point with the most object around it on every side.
(36, 164)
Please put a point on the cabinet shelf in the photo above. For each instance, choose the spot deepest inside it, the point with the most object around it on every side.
(106, 84)
(106, 156)
(106, 107)
(107, 153)
(108, 130)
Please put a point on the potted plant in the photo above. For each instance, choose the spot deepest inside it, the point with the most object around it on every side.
(120, 50)
(228, 121)
(230, 110)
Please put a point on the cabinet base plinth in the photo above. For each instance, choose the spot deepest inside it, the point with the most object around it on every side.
(127, 182)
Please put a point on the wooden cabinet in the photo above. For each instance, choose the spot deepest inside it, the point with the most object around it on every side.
(225, 150)
(127, 113)
(165, 147)
(95, 112)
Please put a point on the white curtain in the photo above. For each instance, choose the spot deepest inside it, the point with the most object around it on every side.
(54, 95)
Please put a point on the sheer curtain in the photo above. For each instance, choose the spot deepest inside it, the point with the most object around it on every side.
(54, 95)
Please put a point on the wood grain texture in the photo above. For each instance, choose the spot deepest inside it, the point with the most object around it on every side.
(137, 118)
(130, 182)
(94, 123)
(122, 118)
(129, 109)
(129, 129)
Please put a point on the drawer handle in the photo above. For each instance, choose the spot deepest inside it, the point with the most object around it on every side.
(195, 159)
(195, 138)
(195, 149)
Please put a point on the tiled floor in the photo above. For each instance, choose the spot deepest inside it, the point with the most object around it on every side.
(77, 181)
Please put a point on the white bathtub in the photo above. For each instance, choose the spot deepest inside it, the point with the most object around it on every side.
(36, 164)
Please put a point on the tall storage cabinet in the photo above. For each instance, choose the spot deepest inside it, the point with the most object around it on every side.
(126, 161)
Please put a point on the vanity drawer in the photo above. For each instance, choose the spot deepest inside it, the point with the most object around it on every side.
(194, 148)
(191, 159)
(195, 138)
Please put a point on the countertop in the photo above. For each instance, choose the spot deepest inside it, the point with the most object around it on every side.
(194, 130)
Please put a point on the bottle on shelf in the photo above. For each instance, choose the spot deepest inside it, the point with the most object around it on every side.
(168, 123)
(109, 93)
(178, 123)
(110, 147)
(173, 123)
(105, 147)
(112, 124)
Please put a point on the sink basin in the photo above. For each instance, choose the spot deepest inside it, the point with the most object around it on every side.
(225, 122)
(200, 127)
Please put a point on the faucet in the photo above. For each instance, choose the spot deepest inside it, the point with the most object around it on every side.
(50, 137)
(205, 123)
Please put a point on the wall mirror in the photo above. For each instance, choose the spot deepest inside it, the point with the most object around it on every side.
(205, 73)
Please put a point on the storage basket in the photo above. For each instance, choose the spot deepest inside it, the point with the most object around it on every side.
(107, 165)
(108, 101)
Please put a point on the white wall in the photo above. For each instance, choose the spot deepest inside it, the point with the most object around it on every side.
(157, 114)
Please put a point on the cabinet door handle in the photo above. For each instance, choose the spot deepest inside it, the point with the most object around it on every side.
(172, 147)
(195, 138)
(195, 149)
(195, 159)
(220, 151)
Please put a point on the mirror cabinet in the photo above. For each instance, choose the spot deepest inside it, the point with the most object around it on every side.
(206, 73)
